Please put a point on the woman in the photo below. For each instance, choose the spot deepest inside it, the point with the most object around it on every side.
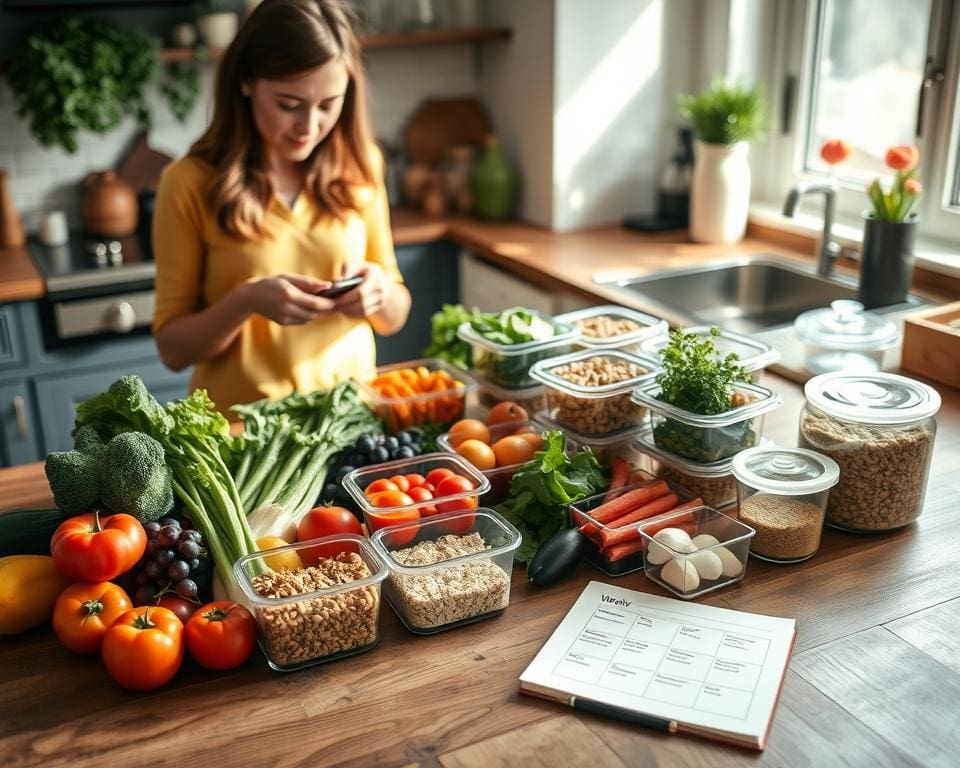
(281, 196)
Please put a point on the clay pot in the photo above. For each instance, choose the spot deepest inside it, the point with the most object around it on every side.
(109, 205)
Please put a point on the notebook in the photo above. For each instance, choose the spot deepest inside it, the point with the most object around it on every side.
(692, 668)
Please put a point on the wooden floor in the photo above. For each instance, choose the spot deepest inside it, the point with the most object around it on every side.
(875, 679)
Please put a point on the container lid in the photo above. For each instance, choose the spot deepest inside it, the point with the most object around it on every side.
(753, 354)
(544, 371)
(844, 324)
(872, 398)
(466, 382)
(644, 443)
(564, 334)
(500, 393)
(648, 326)
(616, 437)
(786, 471)
(765, 400)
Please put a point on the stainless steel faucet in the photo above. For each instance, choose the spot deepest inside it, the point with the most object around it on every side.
(828, 250)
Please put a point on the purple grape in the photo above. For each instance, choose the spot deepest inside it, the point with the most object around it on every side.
(188, 550)
(166, 556)
(168, 535)
(187, 589)
(152, 529)
(145, 594)
(154, 569)
(178, 570)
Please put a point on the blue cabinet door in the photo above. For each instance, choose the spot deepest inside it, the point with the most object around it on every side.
(430, 273)
(19, 439)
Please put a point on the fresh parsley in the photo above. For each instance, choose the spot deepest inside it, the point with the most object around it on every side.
(695, 377)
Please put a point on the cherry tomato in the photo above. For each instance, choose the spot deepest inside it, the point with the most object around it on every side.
(512, 449)
(478, 453)
(415, 480)
(422, 494)
(390, 499)
(94, 548)
(506, 411)
(327, 521)
(401, 482)
(461, 524)
(434, 476)
(380, 485)
(143, 648)
(451, 486)
(221, 635)
(430, 487)
(401, 537)
(85, 611)
(468, 429)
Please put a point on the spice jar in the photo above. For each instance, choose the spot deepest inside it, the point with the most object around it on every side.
(783, 496)
(880, 429)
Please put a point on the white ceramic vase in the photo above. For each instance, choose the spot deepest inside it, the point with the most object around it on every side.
(719, 192)
(217, 30)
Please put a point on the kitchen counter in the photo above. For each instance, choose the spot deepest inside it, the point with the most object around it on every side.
(874, 680)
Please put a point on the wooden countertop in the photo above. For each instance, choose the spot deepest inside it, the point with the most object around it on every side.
(874, 680)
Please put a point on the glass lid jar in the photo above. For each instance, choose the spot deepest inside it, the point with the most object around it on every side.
(787, 471)
(844, 337)
(877, 398)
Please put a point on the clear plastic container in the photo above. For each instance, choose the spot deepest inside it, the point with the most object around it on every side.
(532, 399)
(783, 496)
(442, 406)
(714, 483)
(448, 570)
(301, 628)
(356, 482)
(880, 430)
(754, 355)
(611, 327)
(626, 555)
(707, 439)
(605, 447)
(594, 409)
(688, 567)
(499, 477)
(508, 365)
(845, 338)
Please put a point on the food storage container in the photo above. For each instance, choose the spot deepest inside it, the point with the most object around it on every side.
(712, 482)
(879, 428)
(616, 549)
(604, 447)
(708, 438)
(508, 365)
(356, 482)
(302, 619)
(783, 497)
(401, 408)
(696, 551)
(448, 570)
(488, 394)
(590, 390)
(612, 327)
(845, 338)
(499, 477)
(754, 355)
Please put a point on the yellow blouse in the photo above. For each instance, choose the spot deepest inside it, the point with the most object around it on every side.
(197, 263)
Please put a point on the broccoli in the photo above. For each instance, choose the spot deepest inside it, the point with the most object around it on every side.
(74, 476)
(135, 478)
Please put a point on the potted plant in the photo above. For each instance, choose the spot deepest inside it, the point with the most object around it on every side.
(85, 74)
(724, 118)
(889, 227)
(217, 23)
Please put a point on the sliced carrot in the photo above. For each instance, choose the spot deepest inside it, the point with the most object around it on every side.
(619, 472)
(627, 502)
(620, 551)
(637, 476)
(623, 528)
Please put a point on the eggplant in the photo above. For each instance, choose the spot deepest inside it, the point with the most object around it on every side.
(556, 557)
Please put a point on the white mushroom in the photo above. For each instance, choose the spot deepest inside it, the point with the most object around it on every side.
(681, 575)
(708, 564)
(731, 563)
(705, 540)
(676, 539)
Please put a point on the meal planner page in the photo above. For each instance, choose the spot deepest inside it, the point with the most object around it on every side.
(711, 667)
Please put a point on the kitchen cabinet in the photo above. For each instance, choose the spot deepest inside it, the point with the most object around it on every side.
(18, 438)
(430, 273)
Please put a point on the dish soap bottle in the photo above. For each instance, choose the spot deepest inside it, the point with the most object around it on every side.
(673, 195)
(493, 183)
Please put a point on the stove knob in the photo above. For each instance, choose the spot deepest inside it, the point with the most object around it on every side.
(121, 317)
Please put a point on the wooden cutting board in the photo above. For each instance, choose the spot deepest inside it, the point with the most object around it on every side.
(439, 124)
(142, 165)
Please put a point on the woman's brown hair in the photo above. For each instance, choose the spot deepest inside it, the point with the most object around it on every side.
(283, 38)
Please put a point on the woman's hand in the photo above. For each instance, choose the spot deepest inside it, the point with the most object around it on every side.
(369, 297)
(288, 299)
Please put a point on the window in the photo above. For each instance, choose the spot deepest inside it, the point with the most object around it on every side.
(874, 73)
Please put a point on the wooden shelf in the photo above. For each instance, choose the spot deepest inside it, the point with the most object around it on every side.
(421, 38)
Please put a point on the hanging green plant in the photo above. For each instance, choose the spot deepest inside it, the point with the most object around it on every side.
(87, 74)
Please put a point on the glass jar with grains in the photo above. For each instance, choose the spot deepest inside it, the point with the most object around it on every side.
(880, 429)
(783, 496)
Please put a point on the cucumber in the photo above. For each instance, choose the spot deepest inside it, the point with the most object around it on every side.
(28, 531)
(556, 557)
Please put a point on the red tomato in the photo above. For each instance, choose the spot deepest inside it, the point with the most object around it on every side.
(94, 548)
(179, 605)
(463, 523)
(450, 486)
(143, 648)
(420, 493)
(377, 486)
(326, 521)
(434, 476)
(401, 482)
(221, 635)
(399, 538)
(390, 499)
(430, 487)
(415, 480)
(85, 611)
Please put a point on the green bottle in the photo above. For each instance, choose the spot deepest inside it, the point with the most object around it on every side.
(493, 184)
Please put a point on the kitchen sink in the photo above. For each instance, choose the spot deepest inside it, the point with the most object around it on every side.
(748, 294)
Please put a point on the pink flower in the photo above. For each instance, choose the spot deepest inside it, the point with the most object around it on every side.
(903, 157)
(834, 151)
(912, 187)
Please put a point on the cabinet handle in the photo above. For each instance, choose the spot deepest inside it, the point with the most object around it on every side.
(20, 409)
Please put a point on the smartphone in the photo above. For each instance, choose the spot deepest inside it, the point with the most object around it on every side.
(340, 287)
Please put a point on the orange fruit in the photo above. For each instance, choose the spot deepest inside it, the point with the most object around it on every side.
(468, 429)
(512, 449)
(534, 438)
(478, 453)
(506, 411)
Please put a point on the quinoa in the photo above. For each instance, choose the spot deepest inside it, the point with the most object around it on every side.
(713, 491)
(788, 527)
(443, 596)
